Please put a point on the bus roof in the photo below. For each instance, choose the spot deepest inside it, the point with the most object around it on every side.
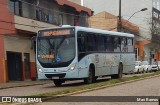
(87, 29)
(103, 31)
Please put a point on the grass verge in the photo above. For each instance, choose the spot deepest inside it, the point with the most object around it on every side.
(95, 85)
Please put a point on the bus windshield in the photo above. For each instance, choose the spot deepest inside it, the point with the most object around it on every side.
(55, 51)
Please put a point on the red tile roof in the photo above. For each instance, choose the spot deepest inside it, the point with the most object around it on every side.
(78, 8)
(130, 25)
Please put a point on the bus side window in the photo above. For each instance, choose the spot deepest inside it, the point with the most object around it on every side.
(81, 40)
(130, 45)
(109, 44)
(91, 43)
(100, 43)
(81, 44)
(124, 45)
(117, 44)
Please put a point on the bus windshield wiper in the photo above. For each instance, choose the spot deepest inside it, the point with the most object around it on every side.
(59, 45)
(52, 45)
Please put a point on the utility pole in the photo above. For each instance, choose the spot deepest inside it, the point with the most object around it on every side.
(82, 2)
(119, 18)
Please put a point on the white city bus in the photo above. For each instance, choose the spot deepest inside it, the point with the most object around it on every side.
(73, 52)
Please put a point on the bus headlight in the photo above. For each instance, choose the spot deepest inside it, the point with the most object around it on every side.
(72, 67)
(40, 70)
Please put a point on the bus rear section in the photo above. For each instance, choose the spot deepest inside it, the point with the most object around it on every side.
(104, 53)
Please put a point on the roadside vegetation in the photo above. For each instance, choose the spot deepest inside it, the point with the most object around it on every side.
(94, 86)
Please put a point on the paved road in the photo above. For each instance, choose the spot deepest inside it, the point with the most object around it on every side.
(147, 87)
(38, 89)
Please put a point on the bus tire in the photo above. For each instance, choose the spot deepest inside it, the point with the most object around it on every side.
(147, 70)
(120, 72)
(138, 71)
(95, 79)
(90, 77)
(58, 82)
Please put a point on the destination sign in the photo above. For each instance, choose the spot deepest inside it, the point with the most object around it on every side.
(43, 56)
(57, 32)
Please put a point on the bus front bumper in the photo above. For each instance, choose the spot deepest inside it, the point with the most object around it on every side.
(58, 75)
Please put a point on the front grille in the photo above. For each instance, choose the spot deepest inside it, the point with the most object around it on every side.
(154, 67)
(62, 75)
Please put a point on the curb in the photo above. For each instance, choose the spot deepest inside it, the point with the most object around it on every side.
(97, 88)
(23, 85)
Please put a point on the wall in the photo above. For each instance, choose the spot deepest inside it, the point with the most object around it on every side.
(156, 4)
(143, 50)
(30, 22)
(18, 43)
(68, 19)
(28, 9)
(5, 28)
(104, 21)
(76, 1)
(2, 60)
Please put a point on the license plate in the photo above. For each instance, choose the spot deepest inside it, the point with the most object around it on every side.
(55, 77)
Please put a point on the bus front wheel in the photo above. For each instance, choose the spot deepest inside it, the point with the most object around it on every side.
(90, 77)
(58, 82)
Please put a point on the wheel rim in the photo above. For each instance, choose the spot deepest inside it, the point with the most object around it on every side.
(90, 77)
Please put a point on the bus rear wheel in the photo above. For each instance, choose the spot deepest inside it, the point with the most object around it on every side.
(57, 82)
(120, 72)
(90, 77)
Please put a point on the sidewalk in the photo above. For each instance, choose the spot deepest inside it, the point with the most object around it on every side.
(25, 83)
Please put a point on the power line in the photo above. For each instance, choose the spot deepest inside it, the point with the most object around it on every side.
(134, 33)
(135, 16)
(135, 24)
(141, 36)
(20, 24)
(8, 35)
(7, 29)
(36, 26)
(32, 26)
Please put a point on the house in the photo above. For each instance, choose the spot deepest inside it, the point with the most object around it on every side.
(107, 21)
(146, 48)
(20, 21)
